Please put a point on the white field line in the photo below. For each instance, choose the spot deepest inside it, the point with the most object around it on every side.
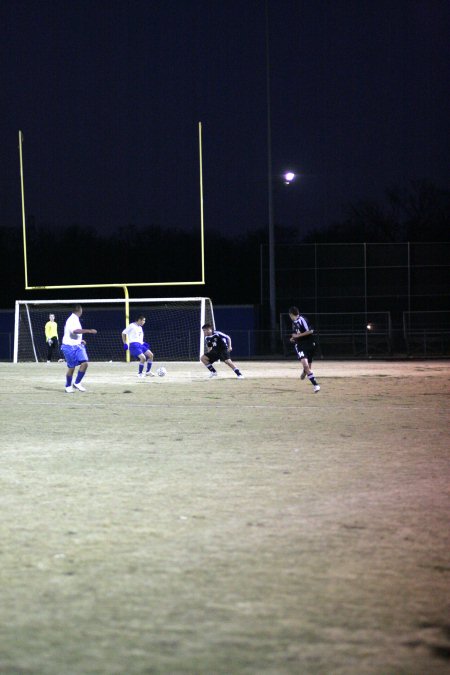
(69, 402)
(258, 369)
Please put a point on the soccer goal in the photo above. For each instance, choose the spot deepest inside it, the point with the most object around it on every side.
(173, 327)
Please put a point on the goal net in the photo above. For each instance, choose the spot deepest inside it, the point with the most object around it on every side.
(172, 328)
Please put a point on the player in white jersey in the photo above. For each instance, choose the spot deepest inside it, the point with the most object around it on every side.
(139, 349)
(74, 349)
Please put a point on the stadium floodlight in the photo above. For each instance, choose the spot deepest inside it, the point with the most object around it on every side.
(288, 177)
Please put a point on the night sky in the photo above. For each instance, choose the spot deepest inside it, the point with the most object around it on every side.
(108, 95)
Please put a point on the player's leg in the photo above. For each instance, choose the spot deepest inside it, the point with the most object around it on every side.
(306, 368)
(141, 359)
(69, 375)
(303, 360)
(82, 367)
(137, 352)
(149, 358)
(233, 367)
(208, 360)
(310, 356)
(301, 355)
(80, 374)
(309, 373)
(70, 357)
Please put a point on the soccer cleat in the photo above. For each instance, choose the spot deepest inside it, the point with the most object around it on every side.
(79, 386)
(316, 388)
(141, 376)
(240, 376)
(149, 374)
(69, 390)
(303, 375)
(212, 375)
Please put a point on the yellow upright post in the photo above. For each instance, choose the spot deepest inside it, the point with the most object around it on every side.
(127, 317)
(114, 285)
(23, 210)
(202, 236)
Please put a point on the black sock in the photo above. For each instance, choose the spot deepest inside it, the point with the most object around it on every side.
(211, 368)
(312, 379)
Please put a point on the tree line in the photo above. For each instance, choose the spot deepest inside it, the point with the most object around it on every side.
(60, 255)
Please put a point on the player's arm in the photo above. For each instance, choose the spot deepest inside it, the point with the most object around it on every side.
(227, 340)
(124, 338)
(295, 337)
(80, 331)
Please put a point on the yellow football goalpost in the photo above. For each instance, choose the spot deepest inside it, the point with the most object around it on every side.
(123, 285)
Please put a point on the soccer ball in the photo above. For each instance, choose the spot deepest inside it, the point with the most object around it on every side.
(161, 371)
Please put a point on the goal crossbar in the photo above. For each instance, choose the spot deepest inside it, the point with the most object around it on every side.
(173, 325)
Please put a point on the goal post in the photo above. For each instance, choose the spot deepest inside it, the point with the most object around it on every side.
(173, 327)
(115, 284)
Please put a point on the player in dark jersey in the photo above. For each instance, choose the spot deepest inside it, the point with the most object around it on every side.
(217, 348)
(304, 344)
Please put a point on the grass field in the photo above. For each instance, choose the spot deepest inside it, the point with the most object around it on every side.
(182, 525)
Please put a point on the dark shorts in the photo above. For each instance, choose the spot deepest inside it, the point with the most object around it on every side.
(305, 350)
(215, 355)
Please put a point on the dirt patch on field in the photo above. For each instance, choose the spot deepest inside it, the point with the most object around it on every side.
(181, 525)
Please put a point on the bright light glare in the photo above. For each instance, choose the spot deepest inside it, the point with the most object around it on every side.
(289, 176)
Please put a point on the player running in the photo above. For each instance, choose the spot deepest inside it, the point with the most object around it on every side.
(304, 344)
(74, 349)
(138, 348)
(217, 348)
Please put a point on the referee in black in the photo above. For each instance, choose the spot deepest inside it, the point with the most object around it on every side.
(304, 344)
(217, 348)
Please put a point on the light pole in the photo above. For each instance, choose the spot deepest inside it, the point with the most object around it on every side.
(288, 177)
(270, 193)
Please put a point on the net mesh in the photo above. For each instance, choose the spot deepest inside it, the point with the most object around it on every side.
(172, 328)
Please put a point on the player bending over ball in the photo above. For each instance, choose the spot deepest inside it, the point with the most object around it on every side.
(74, 349)
(304, 344)
(217, 348)
(138, 348)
